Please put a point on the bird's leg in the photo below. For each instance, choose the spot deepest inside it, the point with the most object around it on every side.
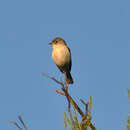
(66, 81)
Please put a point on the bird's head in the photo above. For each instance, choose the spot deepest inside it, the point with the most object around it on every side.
(57, 42)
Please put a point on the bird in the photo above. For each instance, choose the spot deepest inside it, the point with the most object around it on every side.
(61, 55)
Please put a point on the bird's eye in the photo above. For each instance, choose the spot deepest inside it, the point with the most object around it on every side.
(56, 41)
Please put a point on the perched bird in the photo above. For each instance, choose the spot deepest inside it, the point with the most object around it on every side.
(61, 56)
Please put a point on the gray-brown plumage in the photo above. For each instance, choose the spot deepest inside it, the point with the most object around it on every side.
(61, 56)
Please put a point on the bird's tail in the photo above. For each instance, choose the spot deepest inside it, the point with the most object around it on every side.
(69, 78)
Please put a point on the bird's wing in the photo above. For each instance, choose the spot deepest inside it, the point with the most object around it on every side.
(70, 64)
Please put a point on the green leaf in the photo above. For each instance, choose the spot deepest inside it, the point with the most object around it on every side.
(65, 122)
(76, 120)
(128, 93)
(69, 123)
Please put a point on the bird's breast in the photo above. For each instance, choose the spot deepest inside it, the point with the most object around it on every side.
(61, 55)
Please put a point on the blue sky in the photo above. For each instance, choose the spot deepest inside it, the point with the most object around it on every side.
(97, 33)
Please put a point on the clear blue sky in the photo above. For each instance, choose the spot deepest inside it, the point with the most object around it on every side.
(98, 34)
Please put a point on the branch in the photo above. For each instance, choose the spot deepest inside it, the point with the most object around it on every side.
(65, 93)
(70, 99)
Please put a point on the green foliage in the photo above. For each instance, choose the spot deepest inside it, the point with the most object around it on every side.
(73, 122)
(128, 123)
(128, 93)
(65, 123)
(128, 118)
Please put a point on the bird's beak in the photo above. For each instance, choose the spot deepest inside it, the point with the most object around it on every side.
(50, 43)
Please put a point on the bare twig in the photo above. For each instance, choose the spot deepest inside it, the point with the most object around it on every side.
(86, 106)
(52, 78)
(16, 124)
(60, 92)
(20, 118)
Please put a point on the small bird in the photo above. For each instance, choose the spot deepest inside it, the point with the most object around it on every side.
(61, 56)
